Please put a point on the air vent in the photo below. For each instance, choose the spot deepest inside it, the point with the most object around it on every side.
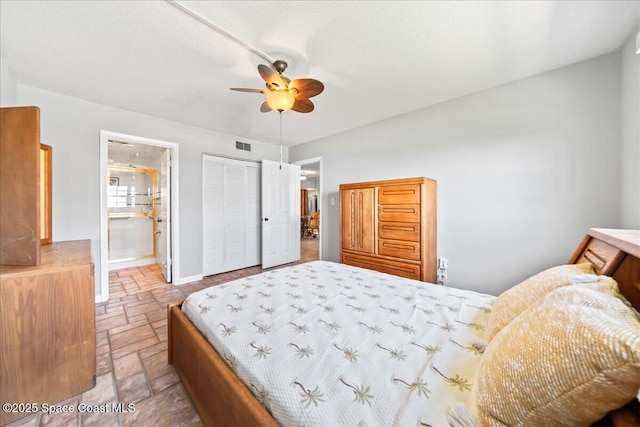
(243, 146)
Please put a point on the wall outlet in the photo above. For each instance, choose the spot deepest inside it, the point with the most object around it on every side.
(443, 275)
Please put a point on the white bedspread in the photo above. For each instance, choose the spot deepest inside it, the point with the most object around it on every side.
(326, 344)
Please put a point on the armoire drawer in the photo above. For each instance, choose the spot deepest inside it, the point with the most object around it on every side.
(397, 268)
(399, 213)
(409, 231)
(399, 249)
(399, 194)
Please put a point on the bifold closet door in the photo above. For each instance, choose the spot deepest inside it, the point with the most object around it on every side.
(231, 214)
(213, 215)
(235, 215)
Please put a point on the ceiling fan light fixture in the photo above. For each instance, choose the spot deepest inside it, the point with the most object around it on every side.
(280, 100)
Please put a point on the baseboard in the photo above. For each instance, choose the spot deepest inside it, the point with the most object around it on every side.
(185, 280)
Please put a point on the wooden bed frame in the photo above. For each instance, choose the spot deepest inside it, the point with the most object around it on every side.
(221, 398)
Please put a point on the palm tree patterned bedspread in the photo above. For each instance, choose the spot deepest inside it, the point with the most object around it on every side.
(327, 344)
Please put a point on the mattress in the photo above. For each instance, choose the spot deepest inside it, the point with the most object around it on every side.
(323, 343)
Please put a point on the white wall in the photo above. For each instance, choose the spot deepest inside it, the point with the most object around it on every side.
(630, 125)
(72, 127)
(8, 87)
(523, 170)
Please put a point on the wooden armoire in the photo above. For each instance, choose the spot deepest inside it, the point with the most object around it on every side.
(47, 290)
(390, 226)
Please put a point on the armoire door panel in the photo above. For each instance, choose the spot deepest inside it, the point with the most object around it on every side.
(365, 229)
(20, 186)
(358, 228)
(347, 215)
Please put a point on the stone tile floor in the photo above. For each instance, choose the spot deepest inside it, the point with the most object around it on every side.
(131, 352)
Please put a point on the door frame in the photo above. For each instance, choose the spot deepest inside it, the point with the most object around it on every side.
(301, 163)
(105, 136)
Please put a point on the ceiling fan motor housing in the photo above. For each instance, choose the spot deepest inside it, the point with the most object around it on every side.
(280, 66)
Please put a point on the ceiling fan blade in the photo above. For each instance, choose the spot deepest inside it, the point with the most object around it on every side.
(303, 106)
(307, 87)
(271, 77)
(245, 89)
(265, 107)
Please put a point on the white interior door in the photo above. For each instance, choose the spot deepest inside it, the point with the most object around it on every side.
(163, 216)
(280, 213)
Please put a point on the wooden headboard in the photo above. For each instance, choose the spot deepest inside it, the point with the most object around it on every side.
(615, 253)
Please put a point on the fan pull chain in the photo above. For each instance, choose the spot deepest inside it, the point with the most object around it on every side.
(280, 140)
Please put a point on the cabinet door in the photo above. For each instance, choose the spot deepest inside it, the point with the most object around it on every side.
(357, 229)
(20, 186)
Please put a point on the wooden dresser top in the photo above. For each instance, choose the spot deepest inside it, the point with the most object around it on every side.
(58, 255)
(388, 182)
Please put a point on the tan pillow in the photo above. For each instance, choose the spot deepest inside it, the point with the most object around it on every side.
(514, 301)
(568, 360)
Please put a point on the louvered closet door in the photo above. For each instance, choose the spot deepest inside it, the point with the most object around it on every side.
(213, 215)
(235, 213)
(232, 227)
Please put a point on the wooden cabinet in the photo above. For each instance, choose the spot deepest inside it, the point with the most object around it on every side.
(20, 186)
(47, 316)
(390, 226)
(25, 187)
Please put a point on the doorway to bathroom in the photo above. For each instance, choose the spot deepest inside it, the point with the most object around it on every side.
(139, 205)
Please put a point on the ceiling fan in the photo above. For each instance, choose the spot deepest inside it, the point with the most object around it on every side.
(283, 94)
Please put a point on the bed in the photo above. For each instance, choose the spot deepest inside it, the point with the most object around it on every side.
(328, 344)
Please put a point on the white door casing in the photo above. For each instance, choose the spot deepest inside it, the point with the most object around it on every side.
(102, 292)
(302, 163)
(280, 213)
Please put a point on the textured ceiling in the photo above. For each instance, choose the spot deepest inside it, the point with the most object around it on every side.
(377, 59)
